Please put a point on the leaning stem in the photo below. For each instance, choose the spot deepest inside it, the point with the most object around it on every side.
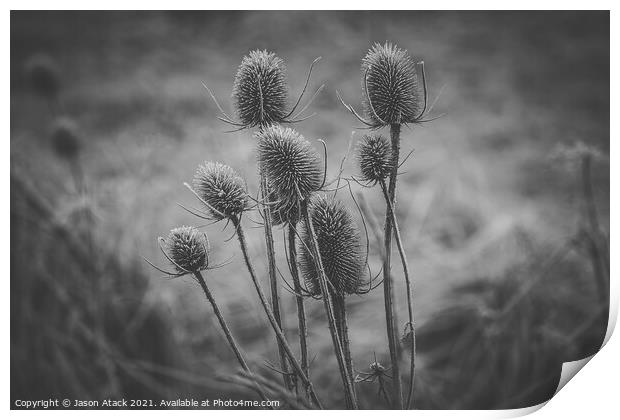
(273, 283)
(388, 291)
(340, 313)
(301, 313)
(327, 302)
(405, 263)
(270, 316)
(229, 337)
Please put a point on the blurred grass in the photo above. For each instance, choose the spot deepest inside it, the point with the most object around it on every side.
(483, 204)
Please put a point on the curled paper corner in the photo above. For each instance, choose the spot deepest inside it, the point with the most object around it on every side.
(569, 370)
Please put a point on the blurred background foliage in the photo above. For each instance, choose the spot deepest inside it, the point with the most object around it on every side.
(504, 205)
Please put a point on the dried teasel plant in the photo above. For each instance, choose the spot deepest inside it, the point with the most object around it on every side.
(374, 155)
(187, 250)
(210, 195)
(260, 96)
(393, 95)
(292, 166)
(339, 243)
(260, 93)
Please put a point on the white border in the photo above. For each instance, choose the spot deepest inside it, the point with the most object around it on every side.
(593, 394)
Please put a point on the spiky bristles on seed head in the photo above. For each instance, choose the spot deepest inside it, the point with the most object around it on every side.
(339, 245)
(374, 156)
(188, 249)
(65, 139)
(391, 93)
(289, 163)
(222, 189)
(259, 90)
(282, 211)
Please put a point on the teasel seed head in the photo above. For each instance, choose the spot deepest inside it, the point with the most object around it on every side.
(222, 189)
(188, 249)
(65, 139)
(290, 164)
(390, 86)
(259, 90)
(339, 245)
(374, 155)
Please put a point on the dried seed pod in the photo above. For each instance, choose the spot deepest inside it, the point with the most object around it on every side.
(339, 245)
(374, 155)
(44, 76)
(290, 164)
(222, 189)
(259, 90)
(188, 249)
(390, 86)
(65, 139)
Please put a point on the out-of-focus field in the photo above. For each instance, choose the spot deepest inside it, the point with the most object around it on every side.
(486, 203)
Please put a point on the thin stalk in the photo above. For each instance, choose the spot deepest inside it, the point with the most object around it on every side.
(273, 283)
(301, 313)
(388, 291)
(405, 263)
(599, 258)
(229, 337)
(274, 325)
(327, 302)
(340, 314)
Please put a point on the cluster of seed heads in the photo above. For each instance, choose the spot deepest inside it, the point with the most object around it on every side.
(339, 245)
(221, 189)
(290, 164)
(188, 249)
(390, 85)
(374, 155)
(259, 90)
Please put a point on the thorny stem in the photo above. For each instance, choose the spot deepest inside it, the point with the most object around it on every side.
(273, 282)
(301, 313)
(340, 314)
(411, 324)
(388, 291)
(274, 325)
(229, 337)
(327, 302)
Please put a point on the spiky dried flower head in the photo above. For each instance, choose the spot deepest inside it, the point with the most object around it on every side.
(65, 139)
(221, 189)
(259, 90)
(390, 86)
(374, 156)
(289, 163)
(188, 248)
(43, 75)
(339, 245)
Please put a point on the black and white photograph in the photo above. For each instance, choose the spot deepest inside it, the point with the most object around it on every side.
(306, 209)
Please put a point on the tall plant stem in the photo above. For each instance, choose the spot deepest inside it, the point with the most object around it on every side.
(329, 308)
(597, 248)
(301, 312)
(411, 324)
(388, 291)
(229, 337)
(273, 283)
(272, 320)
(340, 313)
